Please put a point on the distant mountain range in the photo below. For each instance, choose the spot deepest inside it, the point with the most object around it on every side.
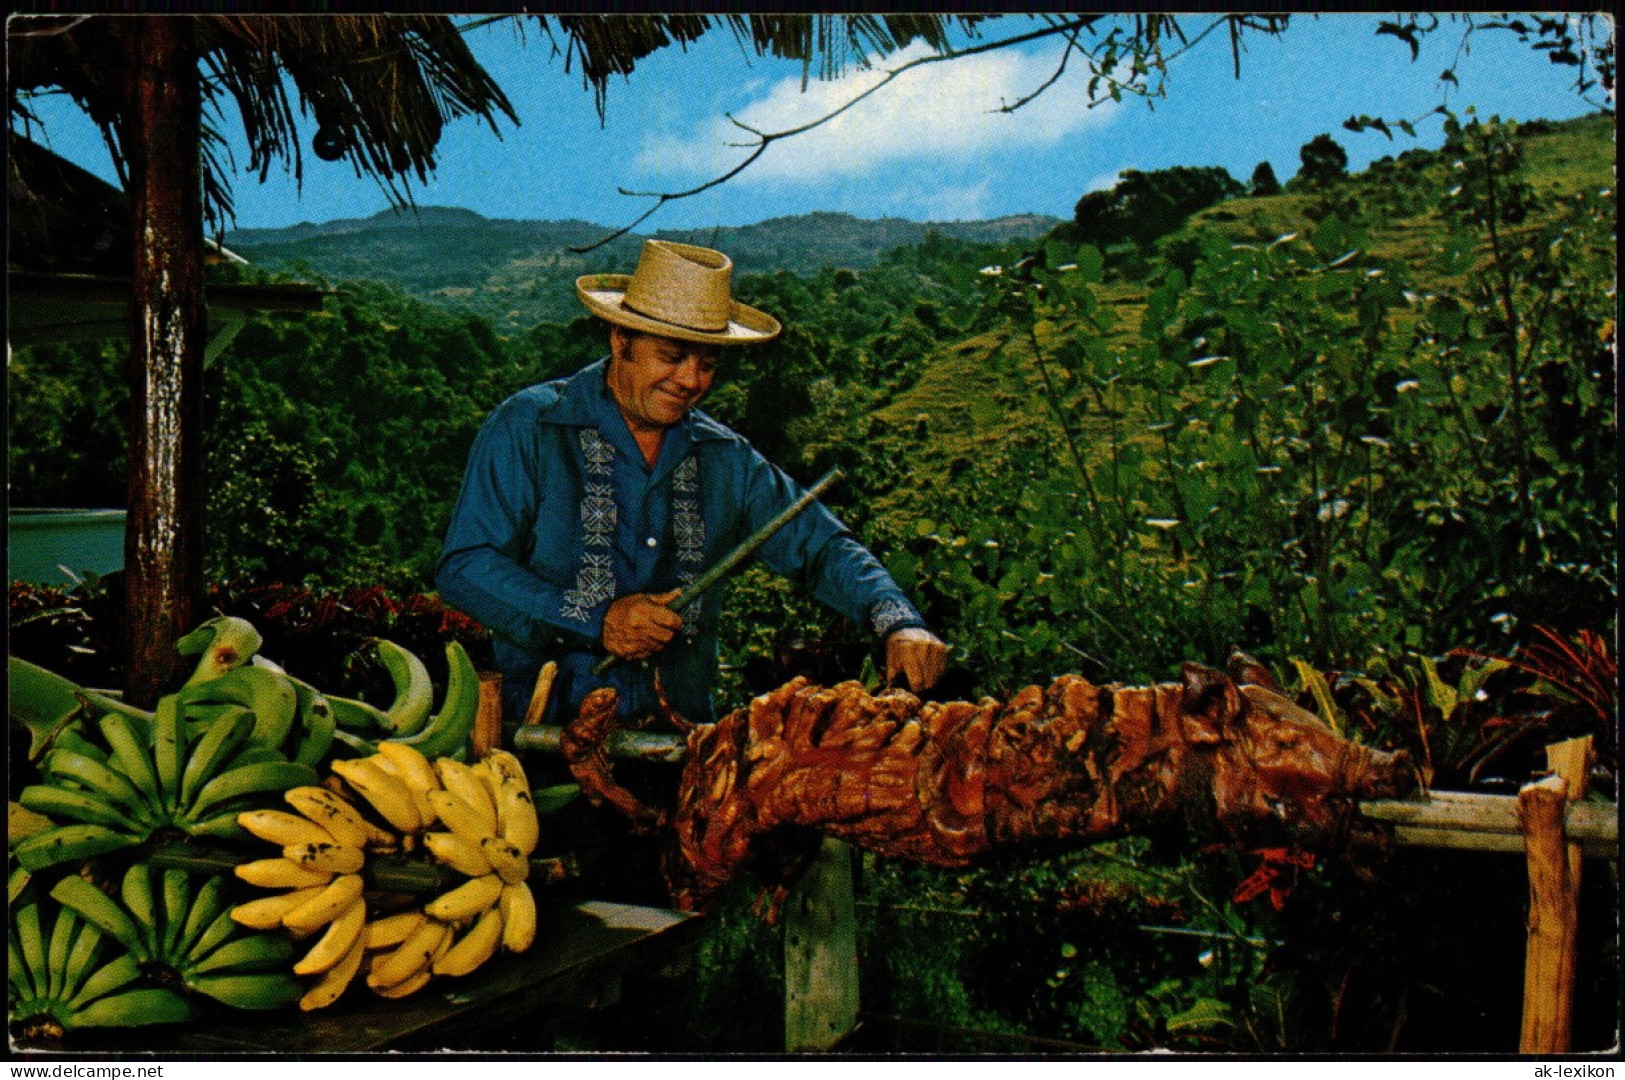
(518, 273)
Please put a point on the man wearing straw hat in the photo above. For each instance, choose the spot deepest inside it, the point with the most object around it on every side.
(590, 501)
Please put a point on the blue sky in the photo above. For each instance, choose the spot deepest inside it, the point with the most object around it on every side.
(929, 147)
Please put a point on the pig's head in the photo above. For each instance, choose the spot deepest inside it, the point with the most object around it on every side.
(1272, 774)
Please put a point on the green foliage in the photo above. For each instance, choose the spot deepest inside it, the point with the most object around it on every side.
(1322, 160)
(1145, 206)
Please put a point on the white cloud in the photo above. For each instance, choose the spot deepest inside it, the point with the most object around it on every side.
(943, 112)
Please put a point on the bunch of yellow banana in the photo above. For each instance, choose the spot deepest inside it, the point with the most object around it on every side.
(478, 820)
(488, 829)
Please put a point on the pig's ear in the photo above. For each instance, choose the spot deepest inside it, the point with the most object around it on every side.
(1249, 672)
(1208, 703)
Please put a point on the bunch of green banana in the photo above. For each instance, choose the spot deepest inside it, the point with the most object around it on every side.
(74, 976)
(117, 793)
(291, 718)
(167, 926)
(409, 718)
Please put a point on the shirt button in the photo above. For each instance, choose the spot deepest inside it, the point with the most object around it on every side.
(651, 542)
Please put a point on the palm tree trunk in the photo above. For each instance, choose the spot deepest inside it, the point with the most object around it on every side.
(163, 546)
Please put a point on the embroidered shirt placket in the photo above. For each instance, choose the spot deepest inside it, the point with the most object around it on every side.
(688, 532)
(595, 577)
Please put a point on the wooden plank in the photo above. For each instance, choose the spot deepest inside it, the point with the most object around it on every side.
(821, 954)
(1490, 822)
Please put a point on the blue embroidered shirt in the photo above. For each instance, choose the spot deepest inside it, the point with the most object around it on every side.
(559, 514)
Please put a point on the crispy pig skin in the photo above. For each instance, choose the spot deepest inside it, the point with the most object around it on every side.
(947, 783)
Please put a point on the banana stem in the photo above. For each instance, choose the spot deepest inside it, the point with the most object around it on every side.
(396, 873)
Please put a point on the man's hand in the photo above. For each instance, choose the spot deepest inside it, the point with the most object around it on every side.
(918, 655)
(641, 624)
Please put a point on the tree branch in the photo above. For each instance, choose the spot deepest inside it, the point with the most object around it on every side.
(767, 138)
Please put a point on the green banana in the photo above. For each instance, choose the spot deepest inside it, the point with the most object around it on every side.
(97, 908)
(60, 802)
(116, 974)
(31, 940)
(256, 952)
(268, 694)
(207, 906)
(72, 739)
(358, 745)
(168, 748)
(219, 929)
(316, 725)
(414, 692)
(357, 716)
(16, 882)
(70, 765)
(199, 716)
(70, 843)
(177, 900)
(224, 643)
(136, 892)
(46, 703)
(17, 970)
(277, 776)
(252, 753)
(56, 953)
(133, 758)
(252, 990)
(452, 727)
(135, 1008)
(212, 748)
(86, 947)
(222, 826)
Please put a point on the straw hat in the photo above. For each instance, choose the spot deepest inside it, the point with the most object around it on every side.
(679, 291)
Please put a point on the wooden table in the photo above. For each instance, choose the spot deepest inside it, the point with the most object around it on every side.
(582, 951)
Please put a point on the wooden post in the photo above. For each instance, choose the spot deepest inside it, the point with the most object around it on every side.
(487, 735)
(1547, 994)
(821, 954)
(1554, 899)
(163, 549)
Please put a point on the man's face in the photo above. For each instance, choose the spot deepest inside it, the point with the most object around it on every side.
(655, 380)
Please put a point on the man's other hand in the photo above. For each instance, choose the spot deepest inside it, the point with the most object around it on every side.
(918, 655)
(641, 624)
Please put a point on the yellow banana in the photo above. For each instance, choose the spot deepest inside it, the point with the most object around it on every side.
(474, 948)
(393, 929)
(415, 772)
(280, 873)
(415, 769)
(457, 852)
(282, 828)
(410, 985)
(518, 907)
(337, 858)
(336, 979)
(516, 809)
(464, 782)
(266, 912)
(325, 906)
(459, 817)
(335, 814)
(506, 859)
(338, 942)
(466, 900)
(412, 956)
(386, 794)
